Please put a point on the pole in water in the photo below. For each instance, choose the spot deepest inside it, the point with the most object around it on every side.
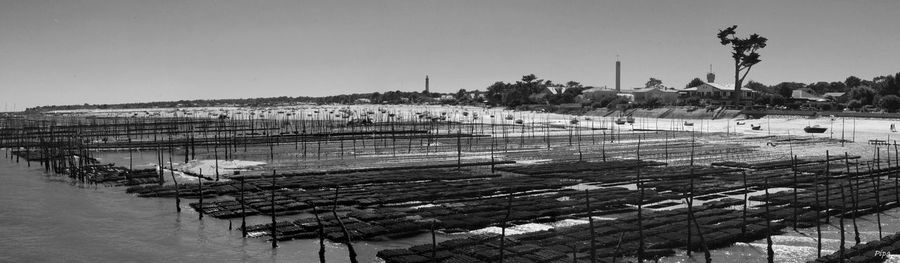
(200, 192)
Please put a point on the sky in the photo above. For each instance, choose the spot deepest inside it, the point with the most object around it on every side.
(118, 51)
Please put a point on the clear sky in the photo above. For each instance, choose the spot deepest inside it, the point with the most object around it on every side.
(114, 51)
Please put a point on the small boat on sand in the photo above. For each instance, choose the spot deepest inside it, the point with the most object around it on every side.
(630, 119)
(755, 127)
(688, 123)
(620, 121)
(815, 129)
(741, 123)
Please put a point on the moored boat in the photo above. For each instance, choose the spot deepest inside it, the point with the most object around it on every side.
(815, 129)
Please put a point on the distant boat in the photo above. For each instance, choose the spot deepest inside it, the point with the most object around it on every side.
(509, 117)
(620, 121)
(815, 129)
(573, 121)
(519, 121)
(741, 123)
(755, 127)
(688, 123)
(630, 119)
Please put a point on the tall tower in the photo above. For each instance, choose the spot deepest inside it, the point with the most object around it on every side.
(618, 74)
(710, 77)
(426, 84)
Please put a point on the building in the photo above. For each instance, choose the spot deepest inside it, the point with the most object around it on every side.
(806, 95)
(664, 94)
(711, 93)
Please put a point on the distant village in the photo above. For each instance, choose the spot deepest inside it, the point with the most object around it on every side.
(531, 93)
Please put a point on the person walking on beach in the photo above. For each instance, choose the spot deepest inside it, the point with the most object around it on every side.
(893, 128)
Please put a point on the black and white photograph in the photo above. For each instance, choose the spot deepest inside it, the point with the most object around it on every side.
(445, 131)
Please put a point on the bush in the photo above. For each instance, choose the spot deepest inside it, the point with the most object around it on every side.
(891, 103)
(854, 104)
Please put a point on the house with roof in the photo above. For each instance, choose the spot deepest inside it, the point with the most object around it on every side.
(837, 96)
(712, 93)
(664, 94)
(806, 94)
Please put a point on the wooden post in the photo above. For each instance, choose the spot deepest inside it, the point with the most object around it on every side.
(828, 184)
(200, 192)
(321, 233)
(243, 211)
(854, 195)
(818, 222)
(795, 204)
(841, 222)
(744, 214)
(587, 199)
(433, 243)
(274, 226)
(640, 186)
(770, 254)
(503, 225)
(347, 240)
(172, 173)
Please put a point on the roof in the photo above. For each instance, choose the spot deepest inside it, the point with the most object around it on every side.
(833, 94)
(658, 89)
(597, 89)
(802, 94)
(720, 86)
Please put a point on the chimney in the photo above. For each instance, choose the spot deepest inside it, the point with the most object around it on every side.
(426, 83)
(710, 77)
(618, 75)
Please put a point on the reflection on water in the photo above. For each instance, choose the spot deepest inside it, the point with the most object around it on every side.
(46, 219)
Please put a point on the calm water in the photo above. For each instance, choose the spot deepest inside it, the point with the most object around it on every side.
(48, 219)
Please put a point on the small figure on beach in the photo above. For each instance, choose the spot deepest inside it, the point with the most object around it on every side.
(893, 128)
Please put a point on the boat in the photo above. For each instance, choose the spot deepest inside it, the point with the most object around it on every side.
(519, 121)
(741, 123)
(630, 119)
(573, 121)
(509, 117)
(755, 127)
(688, 123)
(620, 121)
(815, 129)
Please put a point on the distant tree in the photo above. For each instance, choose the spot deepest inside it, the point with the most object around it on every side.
(852, 82)
(770, 99)
(529, 78)
(887, 85)
(786, 88)
(694, 82)
(854, 104)
(744, 54)
(653, 82)
(890, 103)
(753, 85)
(461, 95)
(819, 87)
(572, 84)
(862, 94)
(837, 86)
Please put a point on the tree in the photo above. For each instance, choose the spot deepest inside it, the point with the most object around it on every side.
(852, 82)
(864, 95)
(653, 82)
(744, 54)
(819, 87)
(786, 88)
(891, 103)
(573, 84)
(694, 83)
(753, 85)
